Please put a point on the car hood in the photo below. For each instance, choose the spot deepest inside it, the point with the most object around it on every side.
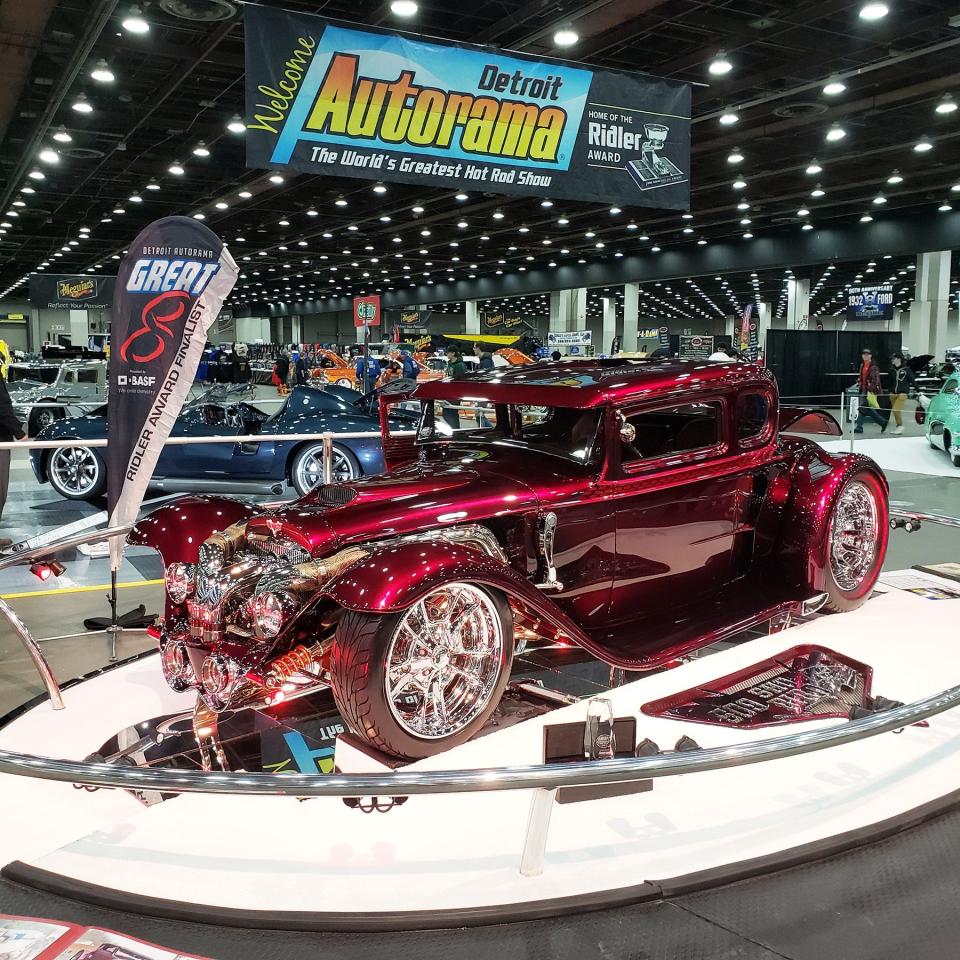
(463, 485)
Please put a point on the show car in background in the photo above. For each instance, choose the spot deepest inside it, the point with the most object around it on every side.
(39, 404)
(640, 510)
(79, 472)
(942, 418)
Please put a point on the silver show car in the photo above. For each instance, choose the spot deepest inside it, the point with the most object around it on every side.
(78, 387)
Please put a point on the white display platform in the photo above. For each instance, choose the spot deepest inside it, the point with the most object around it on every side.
(457, 852)
(908, 454)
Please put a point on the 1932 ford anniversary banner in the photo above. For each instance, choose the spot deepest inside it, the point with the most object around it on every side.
(325, 98)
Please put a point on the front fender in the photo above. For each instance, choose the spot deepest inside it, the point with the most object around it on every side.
(177, 529)
(396, 577)
(817, 479)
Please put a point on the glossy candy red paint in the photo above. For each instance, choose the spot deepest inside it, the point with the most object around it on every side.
(704, 522)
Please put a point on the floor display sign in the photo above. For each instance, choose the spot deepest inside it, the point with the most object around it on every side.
(170, 287)
(326, 98)
(696, 348)
(32, 938)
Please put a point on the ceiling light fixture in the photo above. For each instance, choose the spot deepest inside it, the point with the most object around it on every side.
(134, 22)
(102, 72)
(200, 150)
(739, 184)
(404, 8)
(818, 191)
(834, 87)
(922, 145)
(729, 117)
(735, 157)
(379, 187)
(879, 199)
(813, 168)
(720, 65)
(176, 168)
(835, 133)
(81, 104)
(37, 175)
(276, 178)
(566, 37)
(873, 11)
(48, 156)
(895, 178)
(236, 125)
(61, 136)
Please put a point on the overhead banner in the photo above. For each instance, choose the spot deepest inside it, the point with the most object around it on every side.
(506, 321)
(85, 291)
(326, 98)
(870, 303)
(170, 288)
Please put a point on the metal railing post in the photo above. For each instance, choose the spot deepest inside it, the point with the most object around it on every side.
(36, 654)
(328, 457)
(538, 827)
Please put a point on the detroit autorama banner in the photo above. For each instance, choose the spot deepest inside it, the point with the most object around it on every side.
(169, 290)
(325, 98)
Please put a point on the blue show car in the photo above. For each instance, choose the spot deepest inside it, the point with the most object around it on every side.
(79, 472)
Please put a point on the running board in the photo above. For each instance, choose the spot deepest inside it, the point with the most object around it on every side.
(275, 487)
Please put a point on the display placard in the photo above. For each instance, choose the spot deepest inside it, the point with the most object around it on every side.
(696, 347)
(570, 338)
(71, 291)
(870, 303)
(327, 98)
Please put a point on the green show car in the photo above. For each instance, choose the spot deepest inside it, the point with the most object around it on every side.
(942, 418)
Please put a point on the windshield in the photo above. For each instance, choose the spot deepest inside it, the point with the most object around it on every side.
(568, 432)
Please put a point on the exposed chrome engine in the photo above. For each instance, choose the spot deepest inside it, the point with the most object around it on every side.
(247, 636)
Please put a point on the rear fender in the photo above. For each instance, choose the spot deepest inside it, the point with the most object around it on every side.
(817, 479)
(806, 420)
(177, 529)
(395, 578)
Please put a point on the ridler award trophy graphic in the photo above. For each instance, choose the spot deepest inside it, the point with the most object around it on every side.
(653, 170)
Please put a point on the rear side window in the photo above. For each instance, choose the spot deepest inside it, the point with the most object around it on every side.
(87, 376)
(751, 415)
(950, 386)
(672, 430)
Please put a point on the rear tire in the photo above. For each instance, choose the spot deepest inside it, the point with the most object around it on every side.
(418, 682)
(42, 417)
(77, 473)
(856, 542)
(306, 471)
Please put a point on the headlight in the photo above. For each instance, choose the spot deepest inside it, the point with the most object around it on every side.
(177, 669)
(218, 678)
(178, 579)
(270, 612)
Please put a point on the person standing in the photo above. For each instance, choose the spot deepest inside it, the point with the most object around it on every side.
(486, 357)
(300, 369)
(411, 369)
(368, 372)
(10, 429)
(902, 382)
(240, 370)
(281, 373)
(455, 365)
(868, 382)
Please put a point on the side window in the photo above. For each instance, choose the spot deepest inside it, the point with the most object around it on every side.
(87, 376)
(951, 386)
(751, 415)
(69, 376)
(671, 430)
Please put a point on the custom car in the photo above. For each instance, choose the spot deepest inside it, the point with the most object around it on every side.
(639, 509)
(79, 472)
(942, 418)
(334, 369)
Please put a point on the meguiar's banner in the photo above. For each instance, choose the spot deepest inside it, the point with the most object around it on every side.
(51, 291)
(326, 98)
(170, 287)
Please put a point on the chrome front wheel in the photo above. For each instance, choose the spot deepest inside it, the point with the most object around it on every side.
(853, 536)
(444, 661)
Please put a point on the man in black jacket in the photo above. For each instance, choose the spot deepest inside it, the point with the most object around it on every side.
(10, 429)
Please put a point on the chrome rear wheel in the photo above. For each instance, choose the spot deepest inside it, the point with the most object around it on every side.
(308, 468)
(76, 473)
(854, 536)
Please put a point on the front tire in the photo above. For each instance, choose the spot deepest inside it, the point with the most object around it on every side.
(856, 542)
(41, 417)
(77, 473)
(421, 681)
(307, 470)
(343, 382)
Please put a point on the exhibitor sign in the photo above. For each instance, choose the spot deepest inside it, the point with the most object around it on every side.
(366, 311)
(71, 292)
(325, 98)
(870, 303)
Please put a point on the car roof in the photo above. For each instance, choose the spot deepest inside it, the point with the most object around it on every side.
(592, 383)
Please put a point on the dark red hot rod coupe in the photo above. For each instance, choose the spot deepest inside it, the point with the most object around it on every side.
(639, 509)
